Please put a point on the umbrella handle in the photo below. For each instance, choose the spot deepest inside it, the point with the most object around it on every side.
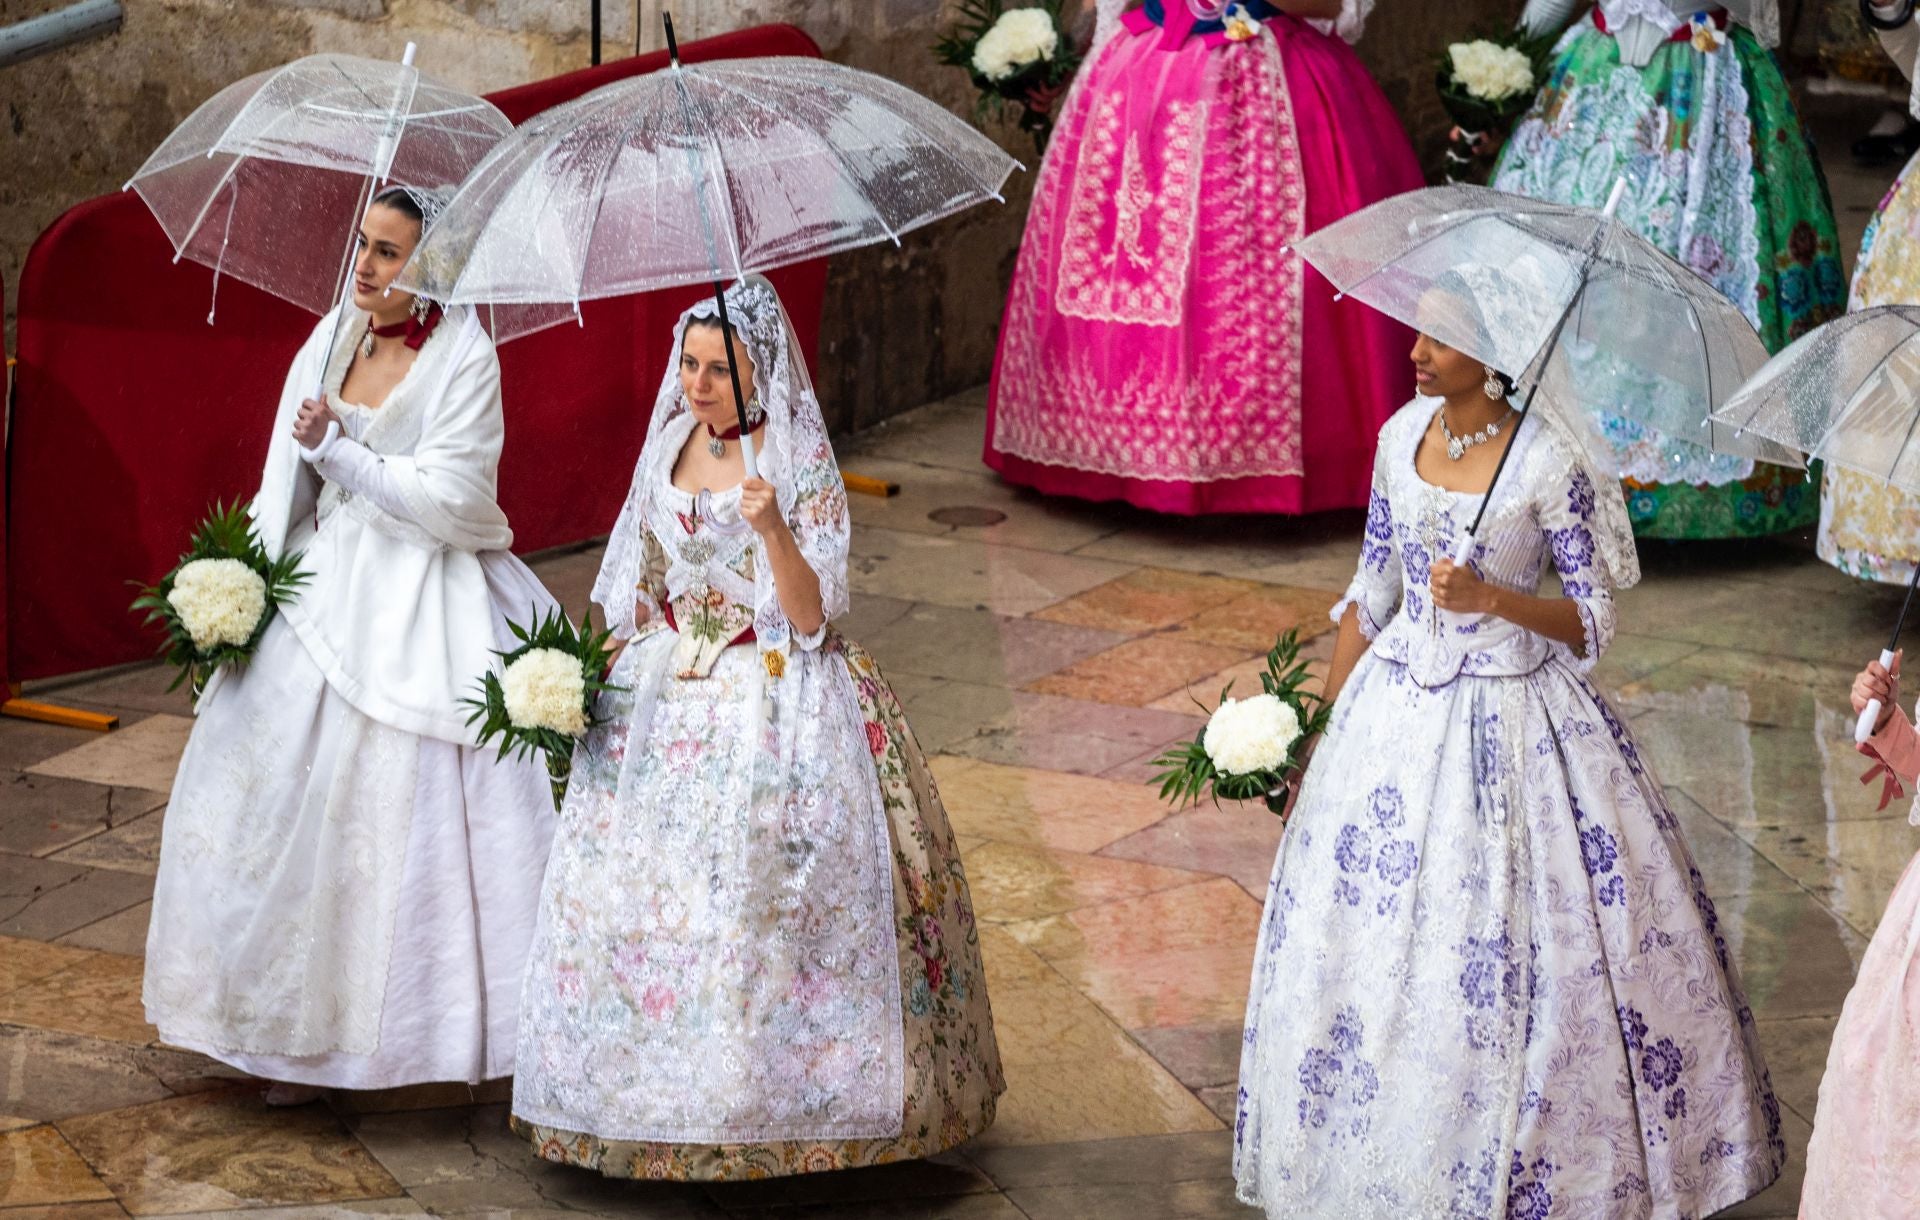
(746, 456)
(1463, 549)
(1871, 716)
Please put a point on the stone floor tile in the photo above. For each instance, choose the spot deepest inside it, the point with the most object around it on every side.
(127, 689)
(1780, 691)
(224, 1150)
(133, 847)
(1796, 1054)
(24, 743)
(48, 1075)
(943, 714)
(1796, 958)
(928, 494)
(402, 1206)
(28, 961)
(98, 997)
(40, 814)
(1198, 1199)
(1140, 671)
(1058, 734)
(946, 435)
(1222, 1099)
(1200, 1056)
(43, 1168)
(68, 1211)
(1014, 883)
(1034, 808)
(1232, 839)
(1255, 620)
(965, 573)
(124, 933)
(1149, 599)
(1851, 867)
(1195, 942)
(1112, 1162)
(1730, 864)
(144, 754)
(46, 899)
(980, 647)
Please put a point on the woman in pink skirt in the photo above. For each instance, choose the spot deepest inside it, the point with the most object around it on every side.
(1163, 344)
(1864, 1160)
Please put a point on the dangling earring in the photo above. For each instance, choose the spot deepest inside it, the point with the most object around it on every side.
(366, 345)
(1496, 389)
(755, 412)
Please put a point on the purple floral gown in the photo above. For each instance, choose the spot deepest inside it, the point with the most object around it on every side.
(1489, 982)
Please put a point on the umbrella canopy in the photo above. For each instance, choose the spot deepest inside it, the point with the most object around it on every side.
(1848, 394)
(701, 173)
(1552, 294)
(267, 180)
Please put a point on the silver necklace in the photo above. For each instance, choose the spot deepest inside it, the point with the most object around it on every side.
(1457, 446)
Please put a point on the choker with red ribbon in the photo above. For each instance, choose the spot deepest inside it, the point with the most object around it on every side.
(413, 330)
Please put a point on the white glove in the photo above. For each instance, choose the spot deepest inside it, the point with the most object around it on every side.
(1543, 17)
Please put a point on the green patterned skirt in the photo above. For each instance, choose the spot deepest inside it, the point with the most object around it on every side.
(1722, 177)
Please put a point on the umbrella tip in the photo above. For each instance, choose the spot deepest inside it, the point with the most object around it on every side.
(1619, 193)
(406, 56)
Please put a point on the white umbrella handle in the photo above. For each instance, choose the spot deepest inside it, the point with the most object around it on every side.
(1613, 200)
(746, 456)
(1463, 549)
(1871, 717)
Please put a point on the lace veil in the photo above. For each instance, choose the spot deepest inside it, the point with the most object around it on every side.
(794, 455)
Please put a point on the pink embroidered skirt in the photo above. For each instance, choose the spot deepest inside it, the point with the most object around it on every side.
(1162, 344)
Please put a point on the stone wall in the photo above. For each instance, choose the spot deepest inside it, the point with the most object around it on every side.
(904, 325)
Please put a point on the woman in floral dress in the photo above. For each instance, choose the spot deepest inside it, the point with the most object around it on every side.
(1489, 983)
(1201, 139)
(756, 952)
(1684, 100)
(1868, 529)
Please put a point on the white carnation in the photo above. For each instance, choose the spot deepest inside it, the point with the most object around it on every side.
(1249, 735)
(1021, 38)
(1489, 71)
(219, 601)
(545, 689)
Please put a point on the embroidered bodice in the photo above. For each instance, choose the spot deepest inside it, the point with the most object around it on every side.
(701, 577)
(1543, 513)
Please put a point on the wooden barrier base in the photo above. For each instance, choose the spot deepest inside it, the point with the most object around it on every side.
(866, 485)
(48, 713)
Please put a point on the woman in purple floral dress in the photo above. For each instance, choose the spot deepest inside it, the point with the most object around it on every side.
(1489, 982)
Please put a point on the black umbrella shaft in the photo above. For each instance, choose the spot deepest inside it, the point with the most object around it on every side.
(1905, 608)
(595, 7)
(673, 44)
(733, 361)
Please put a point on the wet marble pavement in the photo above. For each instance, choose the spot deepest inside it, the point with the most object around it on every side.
(1046, 652)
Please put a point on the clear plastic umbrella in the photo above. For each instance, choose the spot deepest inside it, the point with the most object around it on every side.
(1847, 394)
(267, 180)
(699, 174)
(1549, 293)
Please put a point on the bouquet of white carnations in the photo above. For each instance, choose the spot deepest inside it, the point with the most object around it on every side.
(217, 601)
(1021, 56)
(1251, 748)
(542, 698)
(1485, 84)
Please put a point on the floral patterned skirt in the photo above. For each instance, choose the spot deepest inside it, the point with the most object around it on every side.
(1868, 529)
(1723, 178)
(1485, 943)
(604, 988)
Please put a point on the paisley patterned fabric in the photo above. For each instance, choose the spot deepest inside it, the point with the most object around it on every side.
(1722, 179)
(1485, 941)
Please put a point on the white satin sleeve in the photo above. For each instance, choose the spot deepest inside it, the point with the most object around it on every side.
(1352, 21)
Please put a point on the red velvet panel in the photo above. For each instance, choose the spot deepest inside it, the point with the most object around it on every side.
(132, 415)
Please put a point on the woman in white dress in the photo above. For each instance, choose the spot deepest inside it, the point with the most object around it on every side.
(1489, 983)
(756, 952)
(346, 886)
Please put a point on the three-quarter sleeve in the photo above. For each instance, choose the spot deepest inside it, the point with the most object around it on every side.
(1375, 591)
(1566, 512)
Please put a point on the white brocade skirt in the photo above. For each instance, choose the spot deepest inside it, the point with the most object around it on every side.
(341, 903)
